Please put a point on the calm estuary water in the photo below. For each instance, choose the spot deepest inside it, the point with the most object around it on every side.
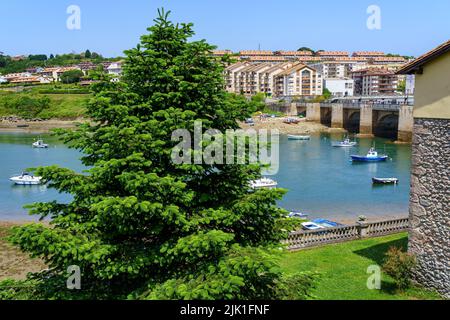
(321, 180)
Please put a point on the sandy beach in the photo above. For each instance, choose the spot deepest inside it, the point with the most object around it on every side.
(301, 128)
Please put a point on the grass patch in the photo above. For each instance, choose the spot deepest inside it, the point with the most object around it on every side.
(66, 106)
(343, 269)
(52, 106)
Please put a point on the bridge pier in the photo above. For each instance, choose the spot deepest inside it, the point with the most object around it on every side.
(337, 116)
(292, 111)
(366, 121)
(405, 123)
(313, 112)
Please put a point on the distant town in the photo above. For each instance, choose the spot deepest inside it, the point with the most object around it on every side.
(276, 74)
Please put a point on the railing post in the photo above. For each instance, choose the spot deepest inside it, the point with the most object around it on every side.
(363, 229)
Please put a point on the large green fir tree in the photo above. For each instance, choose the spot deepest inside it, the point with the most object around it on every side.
(140, 226)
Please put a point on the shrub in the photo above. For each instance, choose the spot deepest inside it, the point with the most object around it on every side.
(399, 266)
(297, 286)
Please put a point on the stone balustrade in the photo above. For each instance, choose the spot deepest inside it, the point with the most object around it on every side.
(307, 239)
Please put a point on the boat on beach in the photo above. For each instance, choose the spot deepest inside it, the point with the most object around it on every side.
(40, 144)
(310, 226)
(327, 223)
(296, 137)
(26, 179)
(344, 144)
(372, 156)
(291, 121)
(264, 183)
(385, 180)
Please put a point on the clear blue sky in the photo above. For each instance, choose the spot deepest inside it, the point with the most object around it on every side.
(409, 27)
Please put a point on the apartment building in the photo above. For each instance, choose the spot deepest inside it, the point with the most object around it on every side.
(251, 78)
(299, 80)
(12, 76)
(339, 68)
(325, 55)
(340, 87)
(293, 54)
(56, 72)
(231, 76)
(375, 81)
(309, 60)
(32, 80)
(388, 60)
(264, 59)
(221, 53)
(255, 53)
(268, 77)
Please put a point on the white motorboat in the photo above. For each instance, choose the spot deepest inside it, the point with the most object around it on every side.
(295, 137)
(26, 179)
(345, 144)
(40, 144)
(264, 183)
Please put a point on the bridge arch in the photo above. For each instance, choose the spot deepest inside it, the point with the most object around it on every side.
(386, 126)
(325, 116)
(352, 120)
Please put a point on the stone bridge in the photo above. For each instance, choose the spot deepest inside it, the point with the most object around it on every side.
(366, 119)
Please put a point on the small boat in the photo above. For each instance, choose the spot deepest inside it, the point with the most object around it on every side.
(296, 214)
(23, 126)
(264, 183)
(385, 180)
(291, 121)
(26, 179)
(312, 226)
(327, 223)
(344, 144)
(372, 156)
(40, 144)
(295, 137)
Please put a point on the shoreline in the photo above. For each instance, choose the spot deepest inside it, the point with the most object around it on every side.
(44, 126)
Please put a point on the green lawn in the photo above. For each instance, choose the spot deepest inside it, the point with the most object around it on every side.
(343, 270)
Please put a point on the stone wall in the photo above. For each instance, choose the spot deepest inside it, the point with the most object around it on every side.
(430, 203)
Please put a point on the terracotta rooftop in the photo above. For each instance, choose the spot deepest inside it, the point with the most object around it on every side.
(368, 54)
(389, 59)
(221, 52)
(295, 68)
(416, 65)
(310, 59)
(374, 71)
(266, 58)
(294, 53)
(255, 53)
(333, 53)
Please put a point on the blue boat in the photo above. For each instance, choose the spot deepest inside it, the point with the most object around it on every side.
(372, 156)
(327, 223)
